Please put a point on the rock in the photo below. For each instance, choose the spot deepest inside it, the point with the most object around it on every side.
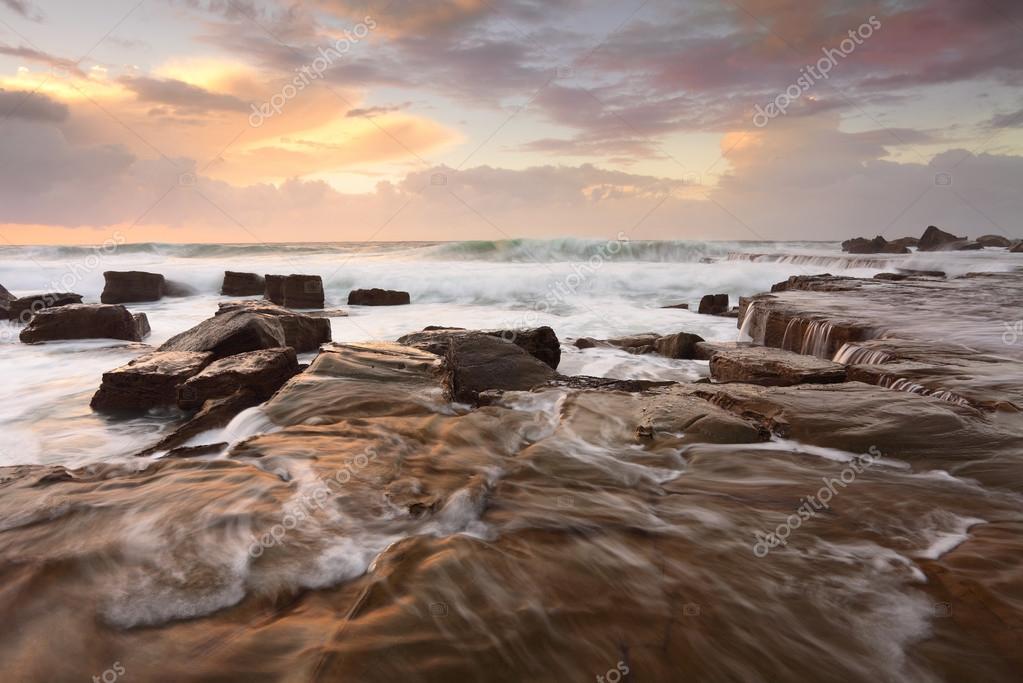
(196, 451)
(132, 286)
(142, 325)
(714, 304)
(964, 245)
(861, 245)
(894, 248)
(994, 241)
(934, 239)
(301, 332)
(83, 321)
(378, 297)
(1017, 249)
(263, 372)
(590, 343)
(242, 284)
(148, 381)
(671, 411)
(893, 277)
(922, 273)
(477, 362)
(684, 307)
(681, 345)
(771, 367)
(22, 309)
(5, 302)
(230, 333)
(173, 288)
(906, 242)
(274, 289)
(214, 414)
(303, 291)
(541, 342)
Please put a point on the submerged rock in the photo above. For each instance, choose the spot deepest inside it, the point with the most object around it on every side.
(262, 372)
(214, 414)
(23, 308)
(242, 284)
(149, 381)
(85, 321)
(230, 333)
(378, 297)
(302, 332)
(124, 287)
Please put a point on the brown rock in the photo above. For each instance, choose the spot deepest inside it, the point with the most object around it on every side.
(541, 342)
(1017, 249)
(132, 286)
(303, 291)
(714, 304)
(275, 289)
(934, 239)
(771, 367)
(301, 332)
(142, 325)
(478, 362)
(378, 297)
(230, 333)
(994, 241)
(148, 381)
(22, 309)
(242, 284)
(83, 321)
(214, 414)
(681, 345)
(684, 307)
(263, 372)
(861, 245)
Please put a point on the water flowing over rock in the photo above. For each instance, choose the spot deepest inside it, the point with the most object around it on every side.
(85, 321)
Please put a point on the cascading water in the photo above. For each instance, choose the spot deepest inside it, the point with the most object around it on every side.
(817, 339)
(853, 354)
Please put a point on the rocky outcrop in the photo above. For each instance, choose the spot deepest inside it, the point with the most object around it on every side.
(714, 304)
(994, 241)
(133, 286)
(85, 321)
(5, 303)
(22, 309)
(262, 372)
(541, 342)
(861, 245)
(378, 297)
(230, 333)
(242, 284)
(301, 332)
(680, 346)
(1017, 249)
(149, 381)
(683, 307)
(935, 239)
(295, 291)
(478, 362)
(770, 367)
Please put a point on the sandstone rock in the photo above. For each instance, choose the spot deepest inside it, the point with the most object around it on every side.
(83, 321)
(263, 372)
(148, 381)
(5, 302)
(303, 291)
(196, 451)
(142, 325)
(684, 307)
(681, 345)
(242, 284)
(935, 239)
(994, 241)
(230, 333)
(378, 297)
(132, 286)
(301, 332)
(541, 342)
(274, 289)
(22, 309)
(214, 414)
(478, 362)
(714, 304)
(892, 277)
(771, 367)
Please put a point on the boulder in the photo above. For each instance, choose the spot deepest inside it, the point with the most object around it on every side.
(142, 325)
(274, 289)
(148, 381)
(479, 362)
(5, 302)
(242, 284)
(681, 345)
(301, 332)
(1017, 249)
(861, 245)
(541, 342)
(263, 372)
(132, 286)
(684, 307)
(638, 344)
(714, 304)
(22, 309)
(378, 297)
(84, 321)
(771, 367)
(934, 239)
(994, 241)
(303, 291)
(230, 333)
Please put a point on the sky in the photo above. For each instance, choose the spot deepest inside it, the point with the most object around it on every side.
(343, 120)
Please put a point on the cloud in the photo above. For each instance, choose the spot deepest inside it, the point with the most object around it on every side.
(183, 97)
(23, 8)
(58, 64)
(31, 106)
(374, 111)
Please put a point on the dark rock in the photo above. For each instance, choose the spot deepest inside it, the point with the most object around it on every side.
(5, 302)
(681, 345)
(541, 342)
(794, 283)
(1017, 249)
(861, 245)
(303, 291)
(714, 304)
(629, 386)
(148, 381)
(142, 325)
(22, 309)
(263, 372)
(196, 451)
(301, 332)
(590, 343)
(994, 241)
(214, 414)
(242, 284)
(684, 307)
(893, 277)
(934, 239)
(378, 297)
(922, 273)
(771, 367)
(176, 289)
(230, 333)
(477, 362)
(894, 248)
(275, 289)
(132, 286)
(82, 321)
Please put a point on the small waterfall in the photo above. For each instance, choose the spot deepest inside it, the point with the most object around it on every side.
(814, 260)
(789, 331)
(853, 354)
(746, 329)
(902, 384)
(817, 339)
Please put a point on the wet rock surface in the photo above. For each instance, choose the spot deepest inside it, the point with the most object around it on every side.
(770, 367)
(541, 342)
(232, 332)
(23, 308)
(243, 284)
(295, 291)
(133, 286)
(378, 297)
(262, 372)
(302, 332)
(85, 321)
(475, 363)
(149, 381)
